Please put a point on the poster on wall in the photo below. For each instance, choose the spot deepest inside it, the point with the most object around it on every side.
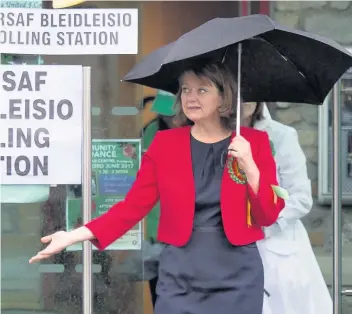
(41, 124)
(115, 163)
(69, 31)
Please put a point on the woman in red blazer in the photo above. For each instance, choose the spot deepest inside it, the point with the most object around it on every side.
(215, 192)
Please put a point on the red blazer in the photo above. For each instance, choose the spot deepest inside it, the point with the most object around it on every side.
(166, 175)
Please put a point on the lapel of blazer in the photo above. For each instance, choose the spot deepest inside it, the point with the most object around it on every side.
(233, 195)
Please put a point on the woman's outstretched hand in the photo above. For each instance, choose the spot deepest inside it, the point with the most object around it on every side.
(60, 240)
(57, 241)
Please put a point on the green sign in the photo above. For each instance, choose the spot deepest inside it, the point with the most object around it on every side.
(21, 59)
(114, 168)
(163, 103)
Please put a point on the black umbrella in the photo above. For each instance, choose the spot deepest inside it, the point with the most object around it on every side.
(278, 64)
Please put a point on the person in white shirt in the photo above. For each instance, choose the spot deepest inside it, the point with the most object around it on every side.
(293, 279)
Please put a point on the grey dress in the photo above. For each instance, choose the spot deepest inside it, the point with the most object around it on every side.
(209, 275)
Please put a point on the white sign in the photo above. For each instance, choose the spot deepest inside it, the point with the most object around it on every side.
(41, 124)
(69, 31)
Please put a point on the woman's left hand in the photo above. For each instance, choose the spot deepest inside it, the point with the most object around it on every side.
(240, 148)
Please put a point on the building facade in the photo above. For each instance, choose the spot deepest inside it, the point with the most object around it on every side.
(56, 286)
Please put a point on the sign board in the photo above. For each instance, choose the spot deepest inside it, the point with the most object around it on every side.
(41, 124)
(69, 31)
(114, 168)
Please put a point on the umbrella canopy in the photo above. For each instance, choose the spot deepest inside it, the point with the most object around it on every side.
(278, 64)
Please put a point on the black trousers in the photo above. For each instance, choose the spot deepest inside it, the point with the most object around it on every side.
(152, 287)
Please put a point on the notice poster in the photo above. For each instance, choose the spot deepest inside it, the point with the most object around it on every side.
(69, 31)
(40, 124)
(115, 164)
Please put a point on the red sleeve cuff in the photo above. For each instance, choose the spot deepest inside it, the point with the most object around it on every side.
(101, 240)
(265, 211)
(98, 242)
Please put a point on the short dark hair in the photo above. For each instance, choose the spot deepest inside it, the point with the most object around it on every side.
(258, 114)
(220, 75)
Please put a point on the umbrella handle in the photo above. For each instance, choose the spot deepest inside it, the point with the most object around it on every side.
(238, 115)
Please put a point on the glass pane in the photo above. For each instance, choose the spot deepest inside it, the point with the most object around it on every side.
(27, 213)
(116, 125)
(53, 286)
(345, 103)
(346, 152)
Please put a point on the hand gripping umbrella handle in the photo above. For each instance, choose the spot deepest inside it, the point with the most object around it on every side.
(238, 115)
